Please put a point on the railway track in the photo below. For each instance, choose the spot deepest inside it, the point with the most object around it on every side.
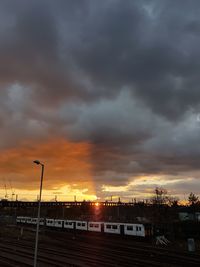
(140, 248)
(85, 252)
(84, 257)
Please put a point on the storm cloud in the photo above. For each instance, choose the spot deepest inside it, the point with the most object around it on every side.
(121, 76)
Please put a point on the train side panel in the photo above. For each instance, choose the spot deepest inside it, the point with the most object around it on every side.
(69, 224)
(95, 226)
(50, 222)
(18, 219)
(134, 229)
(23, 219)
(81, 225)
(29, 220)
(58, 223)
(113, 228)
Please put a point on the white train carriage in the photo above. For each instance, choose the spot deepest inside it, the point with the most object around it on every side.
(58, 223)
(23, 219)
(95, 226)
(50, 222)
(42, 221)
(81, 225)
(18, 219)
(129, 229)
(68, 224)
(29, 220)
(113, 228)
(134, 229)
(35, 220)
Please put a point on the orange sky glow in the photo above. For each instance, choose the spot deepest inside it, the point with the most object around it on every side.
(68, 170)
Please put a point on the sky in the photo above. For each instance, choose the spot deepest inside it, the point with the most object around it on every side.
(104, 93)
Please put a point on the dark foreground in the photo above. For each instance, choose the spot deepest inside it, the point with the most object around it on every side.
(87, 249)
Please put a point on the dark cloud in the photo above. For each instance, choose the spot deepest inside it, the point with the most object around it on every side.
(120, 75)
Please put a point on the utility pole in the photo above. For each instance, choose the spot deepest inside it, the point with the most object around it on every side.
(6, 195)
(38, 217)
(13, 192)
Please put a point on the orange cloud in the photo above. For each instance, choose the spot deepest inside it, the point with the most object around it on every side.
(66, 164)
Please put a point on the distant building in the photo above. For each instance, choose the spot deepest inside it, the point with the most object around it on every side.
(188, 216)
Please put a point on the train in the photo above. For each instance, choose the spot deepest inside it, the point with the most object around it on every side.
(118, 228)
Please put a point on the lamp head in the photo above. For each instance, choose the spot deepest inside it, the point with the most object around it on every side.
(37, 162)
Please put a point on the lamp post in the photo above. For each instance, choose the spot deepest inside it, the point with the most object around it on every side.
(38, 216)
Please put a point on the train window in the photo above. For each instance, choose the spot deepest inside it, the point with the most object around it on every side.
(129, 228)
(83, 224)
(79, 224)
(91, 225)
(140, 228)
(70, 223)
(59, 222)
(114, 227)
(108, 226)
(96, 226)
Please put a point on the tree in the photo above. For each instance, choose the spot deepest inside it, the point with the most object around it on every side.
(173, 201)
(193, 199)
(160, 196)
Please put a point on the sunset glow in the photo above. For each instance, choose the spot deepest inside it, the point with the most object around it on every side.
(68, 171)
(104, 94)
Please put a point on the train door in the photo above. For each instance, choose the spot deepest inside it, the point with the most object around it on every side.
(122, 229)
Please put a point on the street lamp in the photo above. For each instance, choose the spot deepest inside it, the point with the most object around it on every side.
(38, 217)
